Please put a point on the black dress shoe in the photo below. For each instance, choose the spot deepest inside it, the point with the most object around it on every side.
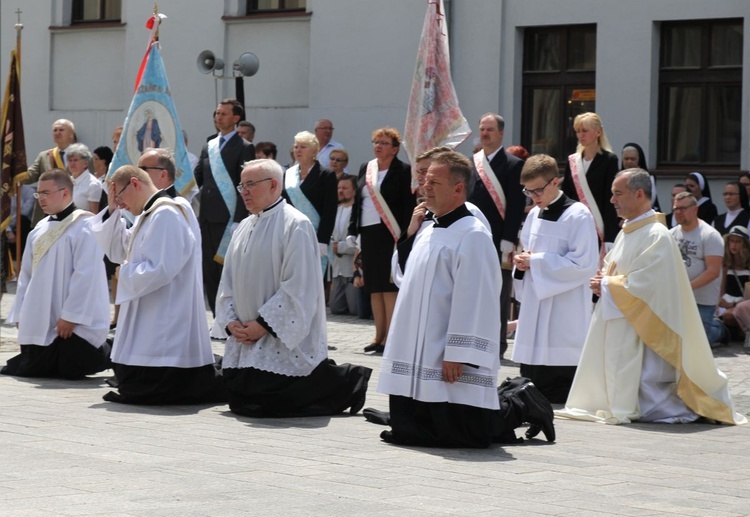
(360, 394)
(378, 350)
(387, 437)
(359, 402)
(112, 382)
(112, 397)
(372, 347)
(539, 412)
(376, 416)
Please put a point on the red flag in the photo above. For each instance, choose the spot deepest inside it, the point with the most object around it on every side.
(14, 147)
(434, 117)
(152, 24)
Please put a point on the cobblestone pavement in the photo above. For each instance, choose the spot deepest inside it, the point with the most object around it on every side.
(63, 451)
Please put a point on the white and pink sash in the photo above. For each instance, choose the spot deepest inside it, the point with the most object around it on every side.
(490, 182)
(584, 192)
(371, 181)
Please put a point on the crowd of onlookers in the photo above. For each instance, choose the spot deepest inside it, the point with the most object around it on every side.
(363, 212)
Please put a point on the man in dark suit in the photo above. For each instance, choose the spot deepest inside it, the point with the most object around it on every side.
(498, 194)
(217, 173)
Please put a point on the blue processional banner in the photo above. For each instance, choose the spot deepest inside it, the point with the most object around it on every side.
(152, 122)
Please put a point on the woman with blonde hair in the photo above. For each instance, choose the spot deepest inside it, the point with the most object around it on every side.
(589, 174)
(312, 190)
(734, 309)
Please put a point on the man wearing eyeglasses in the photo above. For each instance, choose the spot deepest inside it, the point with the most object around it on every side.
(646, 356)
(702, 250)
(271, 305)
(324, 133)
(61, 307)
(162, 352)
(561, 254)
(160, 166)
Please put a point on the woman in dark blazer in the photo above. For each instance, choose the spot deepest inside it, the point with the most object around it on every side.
(317, 184)
(596, 162)
(380, 227)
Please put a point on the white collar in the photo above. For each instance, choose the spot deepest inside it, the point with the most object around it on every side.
(492, 155)
(644, 215)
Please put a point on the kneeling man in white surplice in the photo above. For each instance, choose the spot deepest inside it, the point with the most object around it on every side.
(271, 305)
(646, 356)
(61, 305)
(441, 361)
(162, 350)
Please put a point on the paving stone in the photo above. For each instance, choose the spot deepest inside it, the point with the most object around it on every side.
(64, 451)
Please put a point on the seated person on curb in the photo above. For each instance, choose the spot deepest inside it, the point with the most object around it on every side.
(702, 250)
(561, 254)
(734, 308)
(646, 356)
(162, 351)
(61, 307)
(271, 304)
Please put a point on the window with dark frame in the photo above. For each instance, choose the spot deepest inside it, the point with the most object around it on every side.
(559, 73)
(271, 6)
(700, 94)
(96, 11)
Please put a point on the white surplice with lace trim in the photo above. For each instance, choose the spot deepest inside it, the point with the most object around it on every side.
(272, 270)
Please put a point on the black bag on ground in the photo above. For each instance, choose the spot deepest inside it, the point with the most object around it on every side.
(522, 403)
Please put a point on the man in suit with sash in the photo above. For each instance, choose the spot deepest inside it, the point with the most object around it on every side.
(498, 194)
(218, 174)
(63, 134)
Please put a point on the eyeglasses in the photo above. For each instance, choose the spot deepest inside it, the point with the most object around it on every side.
(682, 208)
(381, 143)
(537, 191)
(326, 128)
(249, 184)
(731, 193)
(337, 160)
(44, 193)
(119, 193)
(154, 168)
